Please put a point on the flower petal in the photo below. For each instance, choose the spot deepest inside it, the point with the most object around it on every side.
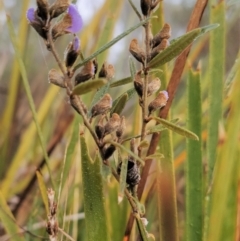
(31, 15)
(76, 44)
(77, 22)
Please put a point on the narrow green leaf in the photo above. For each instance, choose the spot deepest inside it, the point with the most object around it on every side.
(177, 129)
(88, 86)
(155, 156)
(142, 230)
(28, 91)
(123, 148)
(111, 43)
(132, 67)
(123, 177)
(43, 190)
(178, 45)
(143, 144)
(160, 127)
(130, 93)
(120, 104)
(95, 215)
(121, 82)
(216, 79)
(194, 182)
(8, 220)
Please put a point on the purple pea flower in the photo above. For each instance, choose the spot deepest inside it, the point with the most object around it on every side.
(76, 19)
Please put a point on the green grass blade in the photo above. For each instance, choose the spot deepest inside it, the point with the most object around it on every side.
(216, 75)
(111, 43)
(177, 129)
(28, 91)
(178, 45)
(43, 190)
(121, 82)
(86, 87)
(194, 168)
(227, 163)
(95, 216)
(8, 221)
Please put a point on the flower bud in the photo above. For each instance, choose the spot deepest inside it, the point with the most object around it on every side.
(137, 52)
(113, 123)
(42, 9)
(108, 151)
(99, 130)
(159, 102)
(153, 86)
(138, 84)
(102, 106)
(77, 105)
(133, 175)
(71, 53)
(58, 7)
(145, 7)
(165, 33)
(56, 78)
(87, 72)
(164, 43)
(107, 71)
(120, 130)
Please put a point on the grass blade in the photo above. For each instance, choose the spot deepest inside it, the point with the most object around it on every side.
(95, 216)
(194, 168)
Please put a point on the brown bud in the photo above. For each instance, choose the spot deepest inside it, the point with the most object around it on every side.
(164, 43)
(146, 6)
(133, 175)
(112, 124)
(42, 9)
(164, 33)
(58, 7)
(61, 27)
(108, 151)
(71, 52)
(138, 84)
(154, 4)
(107, 71)
(87, 72)
(120, 130)
(159, 102)
(102, 106)
(137, 51)
(153, 86)
(77, 104)
(95, 64)
(56, 78)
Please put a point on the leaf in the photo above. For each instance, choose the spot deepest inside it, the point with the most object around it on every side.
(121, 82)
(154, 156)
(132, 67)
(43, 190)
(95, 215)
(160, 127)
(8, 221)
(109, 44)
(142, 230)
(88, 86)
(177, 129)
(143, 144)
(123, 148)
(130, 94)
(178, 45)
(123, 177)
(120, 104)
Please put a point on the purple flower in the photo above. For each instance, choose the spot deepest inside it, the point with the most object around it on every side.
(77, 22)
(76, 44)
(31, 15)
(165, 93)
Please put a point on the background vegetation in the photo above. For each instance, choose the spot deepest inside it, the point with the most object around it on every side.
(207, 190)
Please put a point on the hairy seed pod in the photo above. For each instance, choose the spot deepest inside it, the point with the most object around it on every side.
(164, 44)
(42, 9)
(133, 175)
(107, 71)
(164, 33)
(71, 52)
(86, 73)
(56, 78)
(102, 106)
(95, 64)
(138, 84)
(99, 130)
(120, 130)
(159, 102)
(153, 86)
(61, 27)
(77, 105)
(108, 151)
(113, 124)
(58, 7)
(146, 6)
(137, 52)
